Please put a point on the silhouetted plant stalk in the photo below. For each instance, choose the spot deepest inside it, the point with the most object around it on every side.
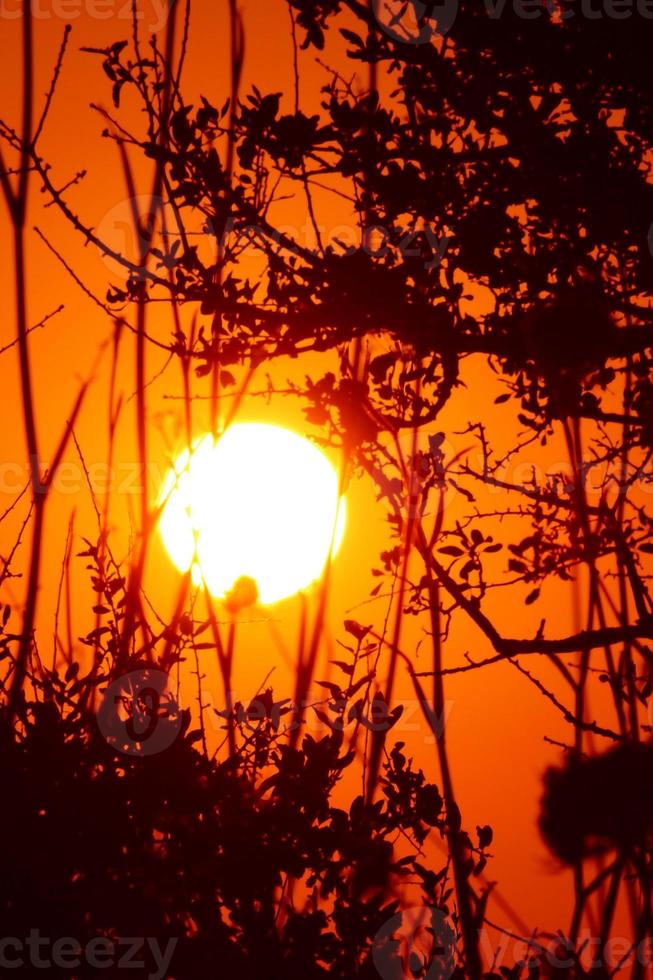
(17, 201)
(222, 205)
(144, 234)
(573, 437)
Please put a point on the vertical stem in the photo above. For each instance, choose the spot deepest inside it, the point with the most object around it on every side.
(225, 659)
(378, 737)
(18, 209)
(461, 879)
(222, 221)
(146, 237)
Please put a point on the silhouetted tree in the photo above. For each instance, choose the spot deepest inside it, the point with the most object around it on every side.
(498, 167)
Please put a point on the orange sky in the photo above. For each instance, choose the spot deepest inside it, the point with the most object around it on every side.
(497, 720)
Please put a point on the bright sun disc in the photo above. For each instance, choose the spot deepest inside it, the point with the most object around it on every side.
(258, 503)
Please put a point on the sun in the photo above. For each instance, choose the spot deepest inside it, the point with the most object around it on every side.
(254, 513)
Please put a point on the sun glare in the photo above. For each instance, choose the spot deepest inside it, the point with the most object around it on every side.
(258, 504)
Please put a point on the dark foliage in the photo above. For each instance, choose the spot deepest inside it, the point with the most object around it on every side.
(599, 804)
(247, 863)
